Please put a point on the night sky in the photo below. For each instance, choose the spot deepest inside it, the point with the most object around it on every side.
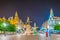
(37, 10)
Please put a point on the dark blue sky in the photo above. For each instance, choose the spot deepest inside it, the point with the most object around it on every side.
(37, 10)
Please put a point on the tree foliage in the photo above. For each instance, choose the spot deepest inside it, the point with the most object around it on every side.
(57, 27)
(9, 27)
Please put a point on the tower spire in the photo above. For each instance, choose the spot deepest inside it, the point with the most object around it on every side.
(51, 12)
(16, 18)
(28, 20)
(34, 24)
(16, 14)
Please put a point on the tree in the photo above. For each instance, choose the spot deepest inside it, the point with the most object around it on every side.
(11, 28)
(57, 27)
(1, 28)
(6, 26)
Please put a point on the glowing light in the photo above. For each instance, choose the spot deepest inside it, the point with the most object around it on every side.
(59, 22)
(4, 24)
(48, 26)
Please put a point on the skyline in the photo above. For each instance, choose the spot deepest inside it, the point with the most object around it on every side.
(38, 11)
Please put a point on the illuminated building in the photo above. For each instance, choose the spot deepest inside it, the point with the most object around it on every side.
(49, 24)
